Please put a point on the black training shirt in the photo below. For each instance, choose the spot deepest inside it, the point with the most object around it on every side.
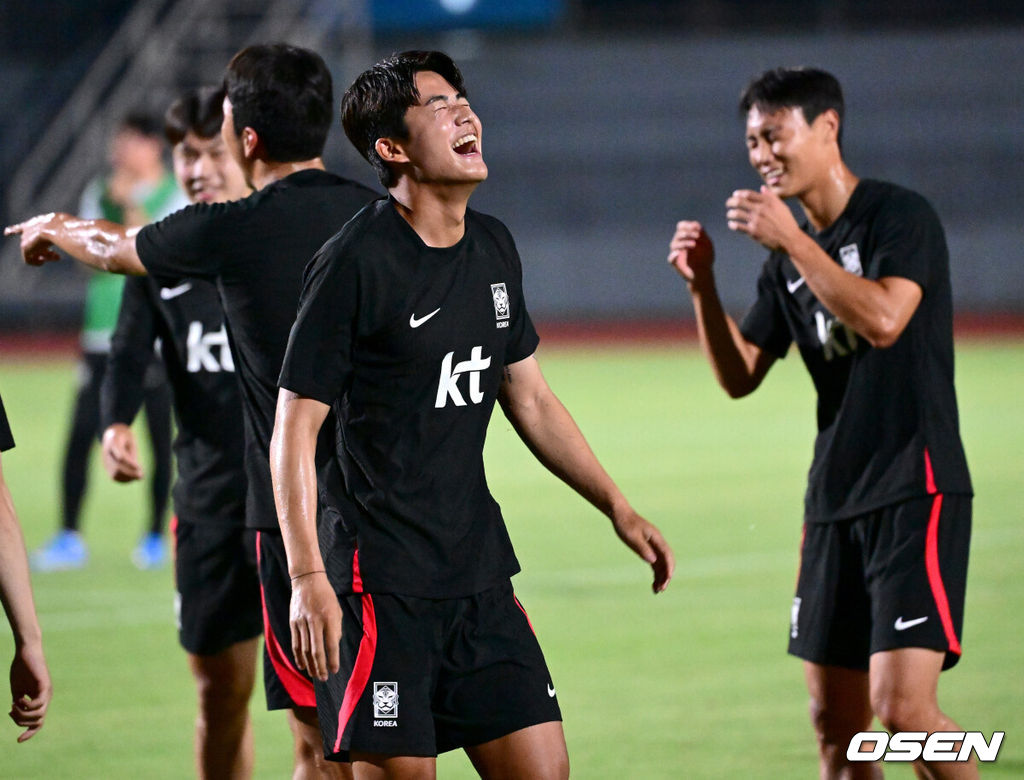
(186, 317)
(6, 439)
(408, 343)
(888, 427)
(256, 249)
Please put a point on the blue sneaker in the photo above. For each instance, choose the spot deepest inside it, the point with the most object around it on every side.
(150, 552)
(64, 551)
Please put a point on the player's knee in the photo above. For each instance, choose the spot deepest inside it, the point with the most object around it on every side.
(306, 753)
(899, 712)
(309, 748)
(832, 725)
(556, 767)
(561, 770)
(311, 762)
(223, 693)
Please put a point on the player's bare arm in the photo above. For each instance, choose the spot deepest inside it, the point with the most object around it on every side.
(121, 454)
(31, 689)
(97, 243)
(548, 429)
(315, 614)
(878, 310)
(739, 365)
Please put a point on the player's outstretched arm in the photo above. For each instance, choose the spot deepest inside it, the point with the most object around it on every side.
(31, 689)
(548, 429)
(97, 243)
(739, 366)
(877, 309)
(315, 614)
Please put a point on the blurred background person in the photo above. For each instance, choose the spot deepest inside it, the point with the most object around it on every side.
(138, 189)
(216, 582)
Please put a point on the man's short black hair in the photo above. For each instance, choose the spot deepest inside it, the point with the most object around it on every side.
(811, 90)
(375, 105)
(285, 94)
(198, 111)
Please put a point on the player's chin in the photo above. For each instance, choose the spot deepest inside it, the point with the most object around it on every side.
(477, 174)
(472, 166)
(782, 189)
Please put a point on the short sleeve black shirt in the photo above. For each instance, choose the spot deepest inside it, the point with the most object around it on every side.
(409, 343)
(255, 249)
(186, 317)
(6, 439)
(888, 426)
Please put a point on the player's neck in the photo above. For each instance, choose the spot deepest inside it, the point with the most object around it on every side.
(437, 214)
(266, 172)
(828, 198)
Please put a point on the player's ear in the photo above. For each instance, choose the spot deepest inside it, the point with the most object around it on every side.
(390, 150)
(829, 120)
(251, 143)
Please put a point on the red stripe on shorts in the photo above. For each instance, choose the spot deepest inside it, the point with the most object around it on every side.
(929, 475)
(524, 613)
(935, 576)
(360, 670)
(299, 688)
(357, 576)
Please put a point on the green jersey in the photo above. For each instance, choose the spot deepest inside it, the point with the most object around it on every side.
(103, 292)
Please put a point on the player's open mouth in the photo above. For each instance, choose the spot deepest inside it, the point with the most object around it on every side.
(772, 177)
(465, 145)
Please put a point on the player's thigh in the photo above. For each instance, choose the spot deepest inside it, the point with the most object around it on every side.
(494, 680)
(917, 574)
(904, 678)
(218, 593)
(287, 687)
(374, 766)
(534, 753)
(380, 702)
(226, 679)
(830, 619)
(840, 702)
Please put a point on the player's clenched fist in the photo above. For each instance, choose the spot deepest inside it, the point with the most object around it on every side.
(691, 252)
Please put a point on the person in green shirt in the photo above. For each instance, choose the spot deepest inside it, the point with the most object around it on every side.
(138, 189)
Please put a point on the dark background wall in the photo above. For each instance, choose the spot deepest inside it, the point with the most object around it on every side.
(607, 122)
(597, 147)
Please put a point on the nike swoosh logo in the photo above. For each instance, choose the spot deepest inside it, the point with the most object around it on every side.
(794, 286)
(173, 292)
(903, 625)
(551, 692)
(415, 323)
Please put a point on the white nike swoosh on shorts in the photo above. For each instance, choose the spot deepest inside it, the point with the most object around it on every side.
(903, 625)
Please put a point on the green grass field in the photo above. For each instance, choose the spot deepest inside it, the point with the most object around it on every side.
(694, 683)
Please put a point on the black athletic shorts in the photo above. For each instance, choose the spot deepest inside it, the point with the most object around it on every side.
(422, 676)
(286, 686)
(218, 590)
(889, 579)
